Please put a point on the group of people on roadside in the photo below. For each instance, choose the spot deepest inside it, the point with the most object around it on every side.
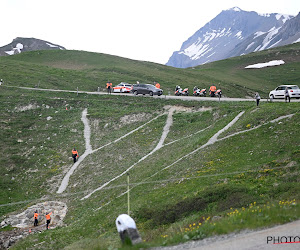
(286, 96)
(36, 219)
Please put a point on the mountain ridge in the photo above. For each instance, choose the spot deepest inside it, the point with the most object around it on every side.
(21, 44)
(231, 33)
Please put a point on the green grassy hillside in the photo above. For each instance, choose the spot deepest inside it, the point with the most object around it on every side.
(258, 168)
(88, 71)
(186, 190)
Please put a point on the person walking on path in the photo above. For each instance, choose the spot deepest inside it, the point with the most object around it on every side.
(48, 220)
(36, 221)
(109, 87)
(287, 95)
(257, 98)
(74, 154)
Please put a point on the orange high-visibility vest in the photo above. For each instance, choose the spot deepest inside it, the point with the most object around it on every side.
(213, 88)
(109, 84)
(74, 152)
(36, 215)
(157, 85)
(48, 217)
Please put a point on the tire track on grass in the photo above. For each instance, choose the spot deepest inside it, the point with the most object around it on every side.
(211, 141)
(89, 150)
(165, 132)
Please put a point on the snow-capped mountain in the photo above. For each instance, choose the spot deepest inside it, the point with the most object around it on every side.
(20, 44)
(236, 32)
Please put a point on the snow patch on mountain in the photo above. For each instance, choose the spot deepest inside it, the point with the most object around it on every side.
(259, 33)
(15, 50)
(297, 41)
(264, 14)
(283, 16)
(267, 64)
(237, 9)
(195, 51)
(250, 45)
(274, 44)
(271, 33)
(54, 46)
(51, 45)
(239, 35)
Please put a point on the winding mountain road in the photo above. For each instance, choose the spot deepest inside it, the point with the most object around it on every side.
(167, 97)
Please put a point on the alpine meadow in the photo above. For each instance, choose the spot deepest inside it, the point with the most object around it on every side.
(196, 168)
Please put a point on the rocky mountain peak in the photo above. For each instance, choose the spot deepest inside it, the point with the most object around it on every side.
(230, 33)
(21, 44)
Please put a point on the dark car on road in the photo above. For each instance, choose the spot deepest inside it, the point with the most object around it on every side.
(146, 89)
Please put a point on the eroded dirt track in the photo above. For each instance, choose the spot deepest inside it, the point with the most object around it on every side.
(260, 239)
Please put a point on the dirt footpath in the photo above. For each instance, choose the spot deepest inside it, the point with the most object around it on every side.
(262, 239)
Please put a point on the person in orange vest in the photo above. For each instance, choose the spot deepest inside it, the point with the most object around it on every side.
(157, 85)
(212, 90)
(109, 87)
(48, 219)
(74, 154)
(35, 216)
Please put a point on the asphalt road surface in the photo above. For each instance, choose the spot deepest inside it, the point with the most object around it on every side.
(271, 238)
(167, 97)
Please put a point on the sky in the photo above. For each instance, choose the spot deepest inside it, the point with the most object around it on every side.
(146, 30)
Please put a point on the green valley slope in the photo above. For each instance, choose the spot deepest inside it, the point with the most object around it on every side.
(88, 71)
(193, 183)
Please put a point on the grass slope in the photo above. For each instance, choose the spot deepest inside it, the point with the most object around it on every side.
(248, 180)
(253, 171)
(88, 71)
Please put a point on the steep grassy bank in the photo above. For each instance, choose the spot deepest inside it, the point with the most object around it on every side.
(88, 71)
(260, 165)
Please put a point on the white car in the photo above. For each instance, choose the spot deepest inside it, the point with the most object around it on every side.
(279, 92)
(123, 87)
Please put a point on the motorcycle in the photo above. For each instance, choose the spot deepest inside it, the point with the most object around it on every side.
(179, 91)
(198, 92)
(185, 92)
(202, 92)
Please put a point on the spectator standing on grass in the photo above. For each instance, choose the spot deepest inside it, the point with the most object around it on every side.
(109, 87)
(36, 221)
(1, 82)
(287, 95)
(48, 219)
(157, 85)
(257, 98)
(74, 154)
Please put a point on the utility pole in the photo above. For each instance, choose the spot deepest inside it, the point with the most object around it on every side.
(128, 201)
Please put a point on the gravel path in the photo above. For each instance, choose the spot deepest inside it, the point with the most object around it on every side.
(88, 150)
(248, 240)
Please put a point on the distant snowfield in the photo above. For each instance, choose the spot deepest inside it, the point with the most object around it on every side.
(267, 64)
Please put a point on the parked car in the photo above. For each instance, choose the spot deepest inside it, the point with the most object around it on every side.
(123, 87)
(279, 92)
(146, 89)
